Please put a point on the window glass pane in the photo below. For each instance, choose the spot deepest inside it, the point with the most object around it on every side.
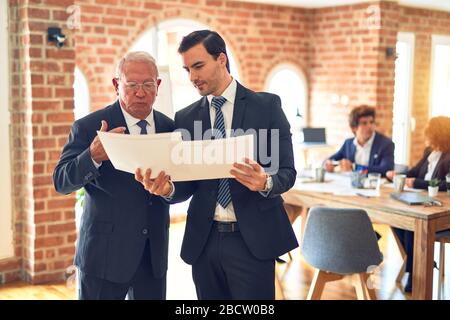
(288, 83)
(81, 95)
(441, 80)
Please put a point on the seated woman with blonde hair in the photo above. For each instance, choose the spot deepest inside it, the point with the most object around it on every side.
(435, 164)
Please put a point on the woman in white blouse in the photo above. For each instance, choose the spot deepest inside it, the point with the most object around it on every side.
(435, 164)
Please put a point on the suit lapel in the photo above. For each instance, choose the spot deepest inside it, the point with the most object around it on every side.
(158, 122)
(116, 118)
(204, 115)
(239, 108)
(374, 149)
(352, 151)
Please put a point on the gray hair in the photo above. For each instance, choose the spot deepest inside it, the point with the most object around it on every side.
(135, 56)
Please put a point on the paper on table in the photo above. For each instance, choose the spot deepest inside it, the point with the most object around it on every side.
(182, 160)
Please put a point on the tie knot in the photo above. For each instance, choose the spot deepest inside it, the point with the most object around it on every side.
(218, 102)
(143, 125)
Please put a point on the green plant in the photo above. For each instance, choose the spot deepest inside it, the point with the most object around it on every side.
(80, 197)
(434, 182)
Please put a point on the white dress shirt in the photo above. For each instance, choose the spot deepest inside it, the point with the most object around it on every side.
(433, 160)
(225, 214)
(132, 123)
(362, 155)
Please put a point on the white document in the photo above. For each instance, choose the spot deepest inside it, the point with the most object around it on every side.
(182, 160)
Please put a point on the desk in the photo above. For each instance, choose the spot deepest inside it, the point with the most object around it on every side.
(424, 221)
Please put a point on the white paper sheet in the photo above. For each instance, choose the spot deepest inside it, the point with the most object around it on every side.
(182, 160)
(335, 183)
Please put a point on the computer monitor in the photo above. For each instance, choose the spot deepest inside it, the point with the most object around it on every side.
(314, 136)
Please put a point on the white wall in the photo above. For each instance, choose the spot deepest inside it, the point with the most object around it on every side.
(6, 236)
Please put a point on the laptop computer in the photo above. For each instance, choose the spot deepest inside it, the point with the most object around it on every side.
(314, 136)
(412, 198)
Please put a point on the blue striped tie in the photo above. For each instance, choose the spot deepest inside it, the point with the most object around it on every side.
(143, 125)
(224, 194)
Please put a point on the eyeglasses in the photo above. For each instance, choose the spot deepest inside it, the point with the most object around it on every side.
(148, 86)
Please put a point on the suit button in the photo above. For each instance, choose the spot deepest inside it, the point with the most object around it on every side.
(145, 231)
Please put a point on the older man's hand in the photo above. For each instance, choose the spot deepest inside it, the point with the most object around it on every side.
(159, 186)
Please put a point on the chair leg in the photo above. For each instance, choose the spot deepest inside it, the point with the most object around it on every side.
(290, 257)
(304, 217)
(359, 285)
(279, 286)
(402, 270)
(370, 291)
(319, 281)
(441, 268)
(317, 286)
(363, 290)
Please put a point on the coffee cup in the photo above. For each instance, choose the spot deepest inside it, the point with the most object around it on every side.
(319, 174)
(399, 182)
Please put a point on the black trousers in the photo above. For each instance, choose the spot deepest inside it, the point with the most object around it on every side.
(227, 270)
(143, 285)
(406, 238)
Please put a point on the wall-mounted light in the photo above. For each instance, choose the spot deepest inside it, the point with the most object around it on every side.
(390, 52)
(55, 35)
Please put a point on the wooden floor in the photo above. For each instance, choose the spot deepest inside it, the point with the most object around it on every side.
(296, 279)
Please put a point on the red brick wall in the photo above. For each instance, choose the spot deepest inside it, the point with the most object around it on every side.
(334, 47)
(348, 59)
(259, 36)
(42, 103)
(423, 23)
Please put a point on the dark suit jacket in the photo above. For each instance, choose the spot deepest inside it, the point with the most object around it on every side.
(420, 170)
(263, 222)
(119, 215)
(381, 154)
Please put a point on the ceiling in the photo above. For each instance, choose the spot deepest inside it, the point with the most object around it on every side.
(429, 4)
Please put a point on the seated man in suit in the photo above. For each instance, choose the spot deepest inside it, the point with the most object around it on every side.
(368, 148)
(435, 164)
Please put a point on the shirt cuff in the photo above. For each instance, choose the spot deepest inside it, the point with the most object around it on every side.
(170, 196)
(97, 165)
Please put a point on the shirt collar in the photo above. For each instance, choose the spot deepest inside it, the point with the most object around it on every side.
(434, 156)
(131, 121)
(368, 143)
(229, 93)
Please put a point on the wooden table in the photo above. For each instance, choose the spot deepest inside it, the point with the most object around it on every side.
(424, 221)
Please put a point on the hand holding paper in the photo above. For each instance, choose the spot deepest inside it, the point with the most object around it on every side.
(159, 186)
(96, 148)
(250, 174)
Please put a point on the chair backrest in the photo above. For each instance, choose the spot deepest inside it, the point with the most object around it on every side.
(340, 240)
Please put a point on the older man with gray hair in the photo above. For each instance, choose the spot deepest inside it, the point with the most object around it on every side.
(123, 238)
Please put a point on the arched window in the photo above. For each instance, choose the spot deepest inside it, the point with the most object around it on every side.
(289, 82)
(81, 95)
(162, 43)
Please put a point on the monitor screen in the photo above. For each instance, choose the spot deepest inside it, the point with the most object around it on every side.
(314, 135)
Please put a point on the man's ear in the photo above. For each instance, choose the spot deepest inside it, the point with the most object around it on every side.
(115, 83)
(223, 59)
(158, 83)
